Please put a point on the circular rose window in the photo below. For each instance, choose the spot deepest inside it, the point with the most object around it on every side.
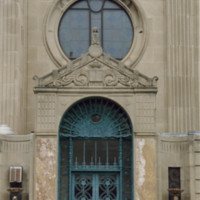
(114, 24)
(121, 26)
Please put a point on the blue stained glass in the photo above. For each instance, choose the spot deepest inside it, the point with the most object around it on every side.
(96, 22)
(95, 5)
(117, 49)
(73, 33)
(116, 34)
(115, 28)
(111, 19)
(81, 4)
(109, 4)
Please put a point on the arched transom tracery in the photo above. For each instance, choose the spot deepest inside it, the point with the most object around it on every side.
(95, 117)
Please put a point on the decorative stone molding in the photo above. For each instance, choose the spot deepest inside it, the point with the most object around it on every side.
(174, 143)
(96, 69)
(145, 113)
(16, 143)
(133, 9)
(92, 73)
(46, 117)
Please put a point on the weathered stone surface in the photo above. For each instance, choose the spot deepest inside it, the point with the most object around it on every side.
(46, 168)
(145, 167)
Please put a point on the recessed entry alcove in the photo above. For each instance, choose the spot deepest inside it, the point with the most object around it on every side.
(95, 151)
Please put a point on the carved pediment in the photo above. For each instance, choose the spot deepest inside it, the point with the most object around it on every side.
(95, 69)
(103, 71)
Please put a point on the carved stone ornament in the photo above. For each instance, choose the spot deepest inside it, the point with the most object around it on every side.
(95, 69)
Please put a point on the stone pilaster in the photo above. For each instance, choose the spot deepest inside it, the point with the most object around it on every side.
(181, 67)
(12, 64)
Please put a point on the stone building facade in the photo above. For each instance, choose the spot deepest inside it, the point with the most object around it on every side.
(155, 84)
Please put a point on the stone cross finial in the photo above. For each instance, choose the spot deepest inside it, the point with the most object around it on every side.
(95, 35)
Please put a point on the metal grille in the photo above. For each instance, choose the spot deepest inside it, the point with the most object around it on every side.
(92, 186)
(95, 152)
(174, 179)
(15, 176)
(82, 187)
(108, 187)
(95, 117)
(64, 169)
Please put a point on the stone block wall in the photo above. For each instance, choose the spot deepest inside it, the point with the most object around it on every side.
(17, 150)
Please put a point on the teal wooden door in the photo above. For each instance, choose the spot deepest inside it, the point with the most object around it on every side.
(95, 186)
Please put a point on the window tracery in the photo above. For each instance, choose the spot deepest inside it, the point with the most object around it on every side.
(129, 55)
(114, 25)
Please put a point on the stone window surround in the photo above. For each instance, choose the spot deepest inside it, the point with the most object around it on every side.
(133, 9)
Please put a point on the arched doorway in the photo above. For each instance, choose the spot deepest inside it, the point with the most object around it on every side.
(95, 152)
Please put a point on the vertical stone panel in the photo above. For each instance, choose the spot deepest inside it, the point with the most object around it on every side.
(46, 163)
(181, 70)
(46, 114)
(145, 170)
(145, 113)
(11, 64)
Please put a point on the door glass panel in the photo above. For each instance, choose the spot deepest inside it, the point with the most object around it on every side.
(77, 152)
(101, 152)
(113, 152)
(95, 152)
(89, 152)
(108, 187)
(127, 172)
(83, 189)
(95, 186)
